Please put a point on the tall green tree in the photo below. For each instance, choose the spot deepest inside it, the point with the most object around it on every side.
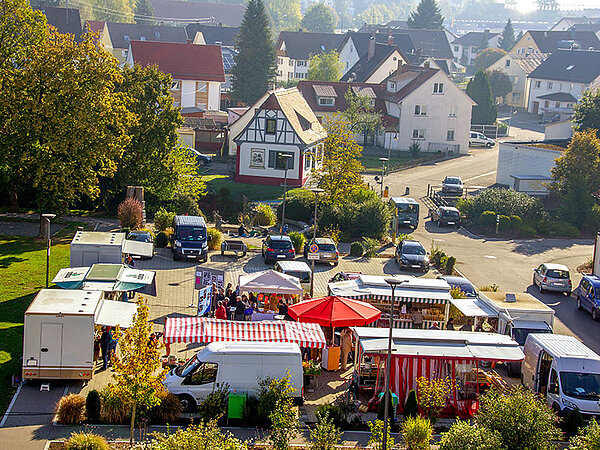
(254, 68)
(507, 40)
(362, 115)
(320, 18)
(587, 111)
(484, 112)
(144, 12)
(113, 10)
(427, 16)
(325, 67)
(499, 83)
(285, 14)
(485, 40)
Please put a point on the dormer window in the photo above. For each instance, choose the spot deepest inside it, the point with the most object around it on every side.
(175, 85)
(142, 38)
(326, 101)
(126, 38)
(391, 86)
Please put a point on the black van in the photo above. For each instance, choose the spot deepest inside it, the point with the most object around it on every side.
(189, 239)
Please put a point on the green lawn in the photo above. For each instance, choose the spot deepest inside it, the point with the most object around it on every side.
(254, 192)
(372, 162)
(23, 273)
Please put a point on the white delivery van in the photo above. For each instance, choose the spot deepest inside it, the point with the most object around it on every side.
(95, 247)
(564, 371)
(238, 364)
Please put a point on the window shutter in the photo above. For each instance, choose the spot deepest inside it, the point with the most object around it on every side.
(272, 158)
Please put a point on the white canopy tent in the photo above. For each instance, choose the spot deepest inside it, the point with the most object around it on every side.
(270, 282)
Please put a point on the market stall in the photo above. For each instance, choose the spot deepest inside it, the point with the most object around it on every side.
(425, 298)
(269, 287)
(432, 354)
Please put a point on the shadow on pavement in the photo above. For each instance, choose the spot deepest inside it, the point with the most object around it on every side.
(534, 246)
(432, 227)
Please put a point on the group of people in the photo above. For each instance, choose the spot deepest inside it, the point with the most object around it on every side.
(229, 305)
(467, 326)
(107, 344)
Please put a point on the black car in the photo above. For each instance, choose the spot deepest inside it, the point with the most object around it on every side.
(446, 215)
(277, 248)
(412, 255)
(201, 158)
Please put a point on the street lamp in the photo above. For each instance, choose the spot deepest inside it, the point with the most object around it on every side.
(286, 157)
(46, 218)
(383, 161)
(393, 282)
(316, 191)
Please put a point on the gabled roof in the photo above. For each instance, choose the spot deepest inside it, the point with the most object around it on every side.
(221, 13)
(365, 67)
(473, 38)
(412, 77)
(213, 35)
(549, 41)
(310, 90)
(558, 97)
(95, 26)
(182, 61)
(301, 45)
(577, 66)
(121, 34)
(528, 63)
(65, 20)
(401, 40)
(595, 27)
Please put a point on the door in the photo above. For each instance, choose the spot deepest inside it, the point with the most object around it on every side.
(536, 107)
(553, 388)
(538, 274)
(202, 381)
(543, 373)
(51, 345)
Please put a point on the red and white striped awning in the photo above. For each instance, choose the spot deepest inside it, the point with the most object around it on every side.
(202, 329)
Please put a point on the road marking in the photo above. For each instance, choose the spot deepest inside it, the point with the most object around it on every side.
(490, 256)
(479, 176)
(10, 407)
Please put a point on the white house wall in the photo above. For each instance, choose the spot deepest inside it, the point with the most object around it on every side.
(214, 96)
(575, 89)
(385, 69)
(348, 56)
(188, 93)
(268, 172)
(518, 159)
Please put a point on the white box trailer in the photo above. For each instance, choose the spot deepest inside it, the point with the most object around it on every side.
(93, 247)
(58, 340)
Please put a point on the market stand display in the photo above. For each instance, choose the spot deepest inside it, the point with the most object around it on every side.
(269, 287)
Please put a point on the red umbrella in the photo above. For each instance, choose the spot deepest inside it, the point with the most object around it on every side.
(334, 312)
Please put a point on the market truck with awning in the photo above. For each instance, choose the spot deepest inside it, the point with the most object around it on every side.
(58, 339)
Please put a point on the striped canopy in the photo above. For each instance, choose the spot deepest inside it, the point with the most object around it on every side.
(202, 329)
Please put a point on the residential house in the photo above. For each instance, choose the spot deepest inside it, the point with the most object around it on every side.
(431, 43)
(200, 33)
(465, 48)
(197, 72)
(557, 84)
(518, 67)
(65, 20)
(280, 124)
(95, 26)
(118, 36)
(376, 64)
(178, 12)
(294, 49)
(567, 23)
(545, 42)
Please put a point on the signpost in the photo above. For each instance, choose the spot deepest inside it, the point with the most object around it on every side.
(205, 277)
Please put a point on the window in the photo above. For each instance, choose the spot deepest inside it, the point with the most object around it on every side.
(392, 86)
(516, 96)
(271, 126)
(278, 161)
(292, 62)
(474, 50)
(516, 80)
(126, 38)
(201, 86)
(124, 53)
(450, 135)
(291, 75)
(438, 88)
(549, 85)
(279, 61)
(507, 63)
(142, 38)
(546, 104)
(175, 85)
(569, 105)
(456, 48)
(420, 110)
(205, 373)
(351, 49)
(537, 84)
(570, 87)
(418, 134)
(326, 101)
(557, 104)
(452, 112)
(302, 63)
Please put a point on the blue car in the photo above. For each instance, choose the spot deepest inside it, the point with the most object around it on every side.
(588, 295)
(276, 248)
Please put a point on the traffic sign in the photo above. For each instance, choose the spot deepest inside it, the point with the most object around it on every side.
(314, 248)
(312, 256)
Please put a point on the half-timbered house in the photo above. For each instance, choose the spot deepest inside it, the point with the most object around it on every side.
(282, 124)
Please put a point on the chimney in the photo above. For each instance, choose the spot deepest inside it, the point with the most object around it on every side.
(390, 39)
(400, 64)
(371, 51)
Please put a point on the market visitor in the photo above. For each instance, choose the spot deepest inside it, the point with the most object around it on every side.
(240, 307)
(434, 326)
(467, 326)
(450, 324)
(346, 345)
(417, 318)
(282, 309)
(104, 342)
(221, 313)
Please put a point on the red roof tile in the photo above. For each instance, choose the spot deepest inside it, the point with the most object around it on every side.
(182, 61)
(95, 26)
(307, 89)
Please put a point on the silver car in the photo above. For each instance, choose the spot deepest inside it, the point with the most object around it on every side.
(326, 250)
(476, 138)
(552, 277)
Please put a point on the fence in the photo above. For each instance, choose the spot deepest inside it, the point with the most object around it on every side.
(490, 131)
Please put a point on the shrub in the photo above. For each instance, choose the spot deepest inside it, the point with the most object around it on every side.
(271, 390)
(391, 408)
(376, 439)
(161, 240)
(163, 219)
(168, 411)
(466, 205)
(325, 435)
(449, 265)
(284, 424)
(201, 436)
(504, 201)
(92, 406)
(571, 422)
(457, 292)
(370, 247)
(435, 256)
(339, 412)
(130, 213)
(87, 441)
(503, 223)
(522, 419)
(215, 404)
(564, 229)
(299, 205)
(249, 413)
(487, 219)
(114, 409)
(588, 438)
(417, 432)
(297, 240)
(186, 204)
(411, 408)
(371, 219)
(432, 395)
(489, 288)
(216, 237)
(70, 409)
(502, 129)
(527, 231)
(414, 149)
(356, 249)
(516, 223)
(332, 233)
(463, 436)
(265, 215)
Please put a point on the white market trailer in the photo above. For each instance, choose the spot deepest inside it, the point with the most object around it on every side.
(93, 247)
(58, 339)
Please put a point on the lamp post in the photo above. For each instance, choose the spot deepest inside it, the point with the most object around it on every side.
(286, 157)
(394, 139)
(393, 282)
(46, 218)
(383, 161)
(509, 120)
(316, 191)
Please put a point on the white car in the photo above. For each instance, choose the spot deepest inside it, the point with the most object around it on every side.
(476, 138)
(452, 186)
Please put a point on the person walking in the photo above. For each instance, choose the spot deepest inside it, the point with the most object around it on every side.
(450, 324)
(104, 342)
(221, 312)
(346, 345)
(240, 308)
(417, 319)
(112, 344)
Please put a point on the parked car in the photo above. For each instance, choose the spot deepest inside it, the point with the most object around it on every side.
(552, 277)
(327, 252)
(298, 269)
(461, 283)
(201, 158)
(277, 247)
(142, 236)
(588, 295)
(344, 276)
(446, 215)
(476, 138)
(412, 255)
(452, 186)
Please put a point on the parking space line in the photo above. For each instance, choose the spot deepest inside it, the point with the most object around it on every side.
(10, 406)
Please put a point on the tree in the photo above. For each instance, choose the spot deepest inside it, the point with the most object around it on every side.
(113, 10)
(254, 68)
(576, 175)
(144, 12)
(586, 114)
(320, 18)
(427, 16)
(507, 40)
(484, 112)
(138, 371)
(325, 67)
(285, 14)
(377, 13)
(361, 114)
(432, 395)
(340, 174)
(487, 57)
(499, 83)
(485, 40)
